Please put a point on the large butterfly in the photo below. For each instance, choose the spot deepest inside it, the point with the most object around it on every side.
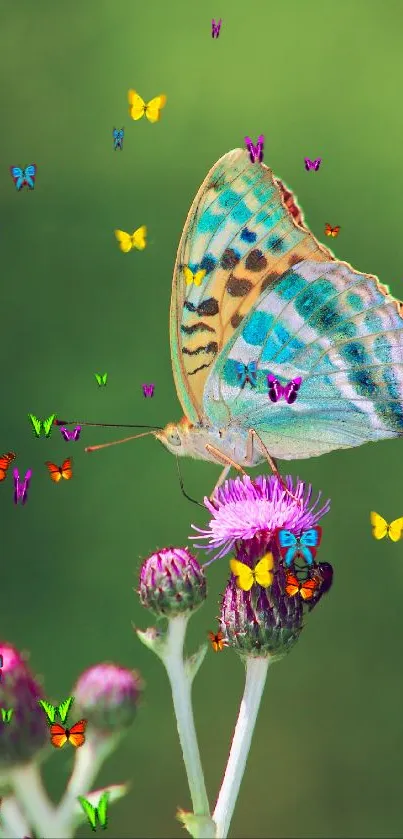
(75, 735)
(272, 294)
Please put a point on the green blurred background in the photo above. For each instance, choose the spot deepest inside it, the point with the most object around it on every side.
(318, 80)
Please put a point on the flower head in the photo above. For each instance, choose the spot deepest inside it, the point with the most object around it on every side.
(172, 582)
(26, 732)
(108, 696)
(242, 509)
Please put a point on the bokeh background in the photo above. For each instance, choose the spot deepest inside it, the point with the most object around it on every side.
(317, 80)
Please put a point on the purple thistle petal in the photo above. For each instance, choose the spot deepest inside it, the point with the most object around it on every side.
(243, 508)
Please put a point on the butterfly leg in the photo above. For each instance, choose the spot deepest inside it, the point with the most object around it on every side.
(253, 435)
(226, 462)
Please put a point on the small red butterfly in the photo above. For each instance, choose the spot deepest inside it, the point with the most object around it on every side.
(75, 735)
(305, 588)
(217, 641)
(5, 461)
(332, 231)
(56, 473)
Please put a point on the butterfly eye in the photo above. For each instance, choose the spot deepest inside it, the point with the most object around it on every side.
(174, 438)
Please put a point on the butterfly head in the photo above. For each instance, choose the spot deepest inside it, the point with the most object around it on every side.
(177, 437)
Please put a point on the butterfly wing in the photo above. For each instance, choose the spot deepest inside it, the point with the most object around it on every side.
(308, 164)
(139, 238)
(89, 810)
(47, 424)
(243, 574)
(36, 424)
(379, 525)
(308, 587)
(199, 276)
(137, 106)
(395, 531)
(154, 107)
(292, 585)
(341, 332)
(57, 735)
(288, 545)
(104, 378)
(124, 240)
(66, 469)
(65, 433)
(64, 708)
(29, 175)
(77, 733)
(17, 175)
(75, 434)
(264, 570)
(309, 542)
(49, 709)
(5, 461)
(54, 471)
(241, 232)
(316, 163)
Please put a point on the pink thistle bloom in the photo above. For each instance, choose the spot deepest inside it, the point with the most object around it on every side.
(243, 509)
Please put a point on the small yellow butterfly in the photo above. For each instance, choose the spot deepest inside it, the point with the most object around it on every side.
(381, 528)
(191, 277)
(129, 241)
(262, 573)
(152, 109)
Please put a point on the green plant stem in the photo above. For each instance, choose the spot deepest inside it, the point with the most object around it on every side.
(13, 823)
(41, 815)
(255, 680)
(88, 761)
(181, 686)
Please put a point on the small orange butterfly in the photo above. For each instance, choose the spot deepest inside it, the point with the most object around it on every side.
(5, 461)
(305, 588)
(75, 735)
(332, 231)
(65, 471)
(217, 641)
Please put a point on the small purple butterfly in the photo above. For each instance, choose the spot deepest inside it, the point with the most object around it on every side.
(255, 152)
(21, 488)
(312, 164)
(71, 435)
(215, 28)
(289, 391)
(148, 390)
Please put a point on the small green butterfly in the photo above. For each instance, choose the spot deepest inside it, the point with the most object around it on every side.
(93, 813)
(101, 378)
(7, 714)
(42, 425)
(51, 710)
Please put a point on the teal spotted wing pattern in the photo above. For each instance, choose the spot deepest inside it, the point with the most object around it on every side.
(343, 334)
(245, 230)
(272, 294)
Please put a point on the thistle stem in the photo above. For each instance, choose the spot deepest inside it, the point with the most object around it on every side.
(27, 784)
(256, 673)
(88, 761)
(181, 686)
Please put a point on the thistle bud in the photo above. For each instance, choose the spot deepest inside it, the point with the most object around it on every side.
(172, 582)
(108, 696)
(26, 732)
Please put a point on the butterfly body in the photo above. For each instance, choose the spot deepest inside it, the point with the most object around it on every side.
(118, 135)
(382, 528)
(23, 177)
(201, 441)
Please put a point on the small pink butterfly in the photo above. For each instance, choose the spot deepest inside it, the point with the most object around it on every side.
(312, 164)
(148, 390)
(71, 435)
(21, 487)
(215, 28)
(289, 392)
(255, 152)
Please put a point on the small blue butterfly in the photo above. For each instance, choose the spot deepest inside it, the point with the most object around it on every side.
(23, 177)
(304, 545)
(118, 134)
(247, 373)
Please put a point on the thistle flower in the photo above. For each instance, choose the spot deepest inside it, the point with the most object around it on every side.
(23, 737)
(242, 509)
(172, 582)
(263, 621)
(108, 696)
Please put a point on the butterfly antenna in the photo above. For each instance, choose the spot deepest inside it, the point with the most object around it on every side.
(117, 442)
(189, 498)
(104, 424)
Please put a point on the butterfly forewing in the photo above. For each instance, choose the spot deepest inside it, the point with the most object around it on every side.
(240, 231)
